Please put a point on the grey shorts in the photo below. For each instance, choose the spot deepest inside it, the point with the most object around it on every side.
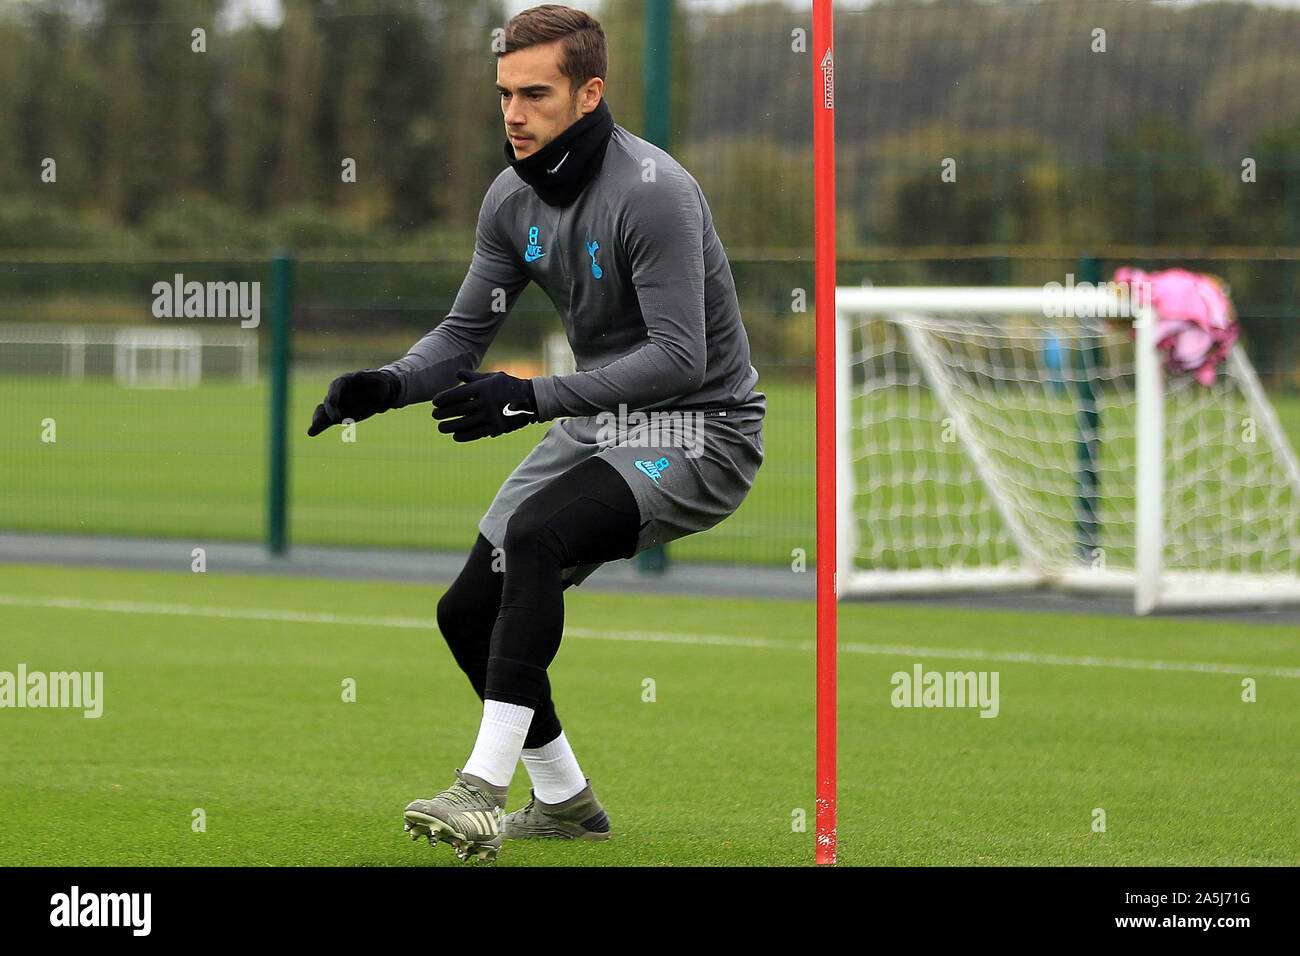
(686, 474)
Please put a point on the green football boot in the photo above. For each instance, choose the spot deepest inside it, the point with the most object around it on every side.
(581, 817)
(468, 815)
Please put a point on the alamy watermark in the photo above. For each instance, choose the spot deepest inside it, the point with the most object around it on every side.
(1113, 300)
(653, 429)
(923, 688)
(179, 299)
(82, 690)
(76, 908)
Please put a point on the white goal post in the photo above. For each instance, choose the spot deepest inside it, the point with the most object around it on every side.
(1030, 437)
(157, 358)
(135, 356)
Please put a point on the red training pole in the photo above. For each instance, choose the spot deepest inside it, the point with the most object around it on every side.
(824, 258)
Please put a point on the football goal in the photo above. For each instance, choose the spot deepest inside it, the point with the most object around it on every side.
(1031, 437)
(136, 357)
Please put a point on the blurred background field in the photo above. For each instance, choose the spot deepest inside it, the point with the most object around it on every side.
(140, 462)
(132, 461)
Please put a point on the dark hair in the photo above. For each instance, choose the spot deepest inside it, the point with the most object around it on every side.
(583, 51)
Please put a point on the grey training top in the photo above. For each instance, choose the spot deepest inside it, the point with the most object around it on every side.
(636, 270)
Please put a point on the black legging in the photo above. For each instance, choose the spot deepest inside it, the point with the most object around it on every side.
(504, 629)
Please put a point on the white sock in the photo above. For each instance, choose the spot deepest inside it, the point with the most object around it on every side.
(500, 741)
(554, 771)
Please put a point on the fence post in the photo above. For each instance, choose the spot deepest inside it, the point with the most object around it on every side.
(1288, 372)
(1146, 199)
(1088, 422)
(657, 64)
(277, 518)
(657, 83)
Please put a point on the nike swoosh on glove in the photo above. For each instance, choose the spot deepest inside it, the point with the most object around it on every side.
(487, 405)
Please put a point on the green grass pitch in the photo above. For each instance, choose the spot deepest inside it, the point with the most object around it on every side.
(192, 464)
(239, 712)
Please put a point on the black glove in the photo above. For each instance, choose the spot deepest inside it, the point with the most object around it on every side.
(488, 404)
(357, 396)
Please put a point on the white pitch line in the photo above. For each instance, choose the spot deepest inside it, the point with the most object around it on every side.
(196, 610)
(652, 637)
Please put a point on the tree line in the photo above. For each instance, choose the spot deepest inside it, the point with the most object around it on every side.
(1074, 121)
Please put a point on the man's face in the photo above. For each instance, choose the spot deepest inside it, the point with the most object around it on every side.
(535, 97)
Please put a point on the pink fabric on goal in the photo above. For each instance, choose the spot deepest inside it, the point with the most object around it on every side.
(1197, 326)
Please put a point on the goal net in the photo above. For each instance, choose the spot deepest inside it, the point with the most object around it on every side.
(1014, 437)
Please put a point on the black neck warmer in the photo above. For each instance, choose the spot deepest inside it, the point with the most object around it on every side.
(560, 169)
